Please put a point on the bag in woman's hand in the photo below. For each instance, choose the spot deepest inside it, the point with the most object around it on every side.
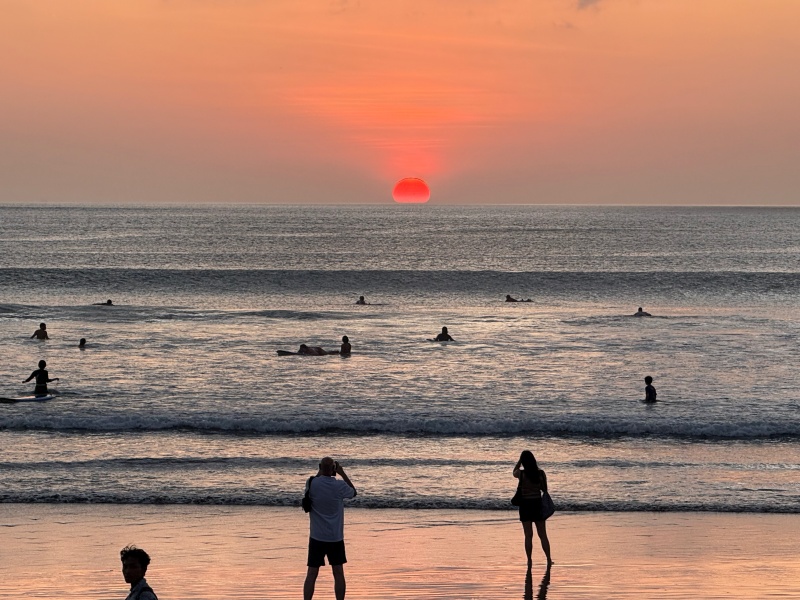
(548, 508)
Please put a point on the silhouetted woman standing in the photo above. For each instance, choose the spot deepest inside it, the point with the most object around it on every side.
(532, 482)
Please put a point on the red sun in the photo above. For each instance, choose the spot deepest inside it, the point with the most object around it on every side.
(411, 189)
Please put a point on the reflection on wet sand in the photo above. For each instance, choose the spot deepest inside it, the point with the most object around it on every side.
(545, 583)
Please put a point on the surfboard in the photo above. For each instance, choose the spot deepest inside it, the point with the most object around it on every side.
(27, 399)
(287, 353)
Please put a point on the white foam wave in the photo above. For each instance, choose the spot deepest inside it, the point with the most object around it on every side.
(557, 426)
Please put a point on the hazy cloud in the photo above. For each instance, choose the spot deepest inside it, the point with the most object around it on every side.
(584, 4)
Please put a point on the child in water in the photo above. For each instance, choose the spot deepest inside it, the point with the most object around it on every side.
(42, 379)
(649, 390)
(41, 333)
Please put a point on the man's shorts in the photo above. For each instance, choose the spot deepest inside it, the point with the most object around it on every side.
(317, 551)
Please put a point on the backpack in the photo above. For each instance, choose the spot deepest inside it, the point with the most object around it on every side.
(306, 501)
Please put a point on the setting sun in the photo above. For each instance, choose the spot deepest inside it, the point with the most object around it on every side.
(411, 190)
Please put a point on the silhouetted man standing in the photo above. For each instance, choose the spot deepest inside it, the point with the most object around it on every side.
(327, 496)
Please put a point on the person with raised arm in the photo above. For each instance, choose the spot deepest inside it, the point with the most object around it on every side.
(327, 495)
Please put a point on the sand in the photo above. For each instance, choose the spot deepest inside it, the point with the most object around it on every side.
(71, 551)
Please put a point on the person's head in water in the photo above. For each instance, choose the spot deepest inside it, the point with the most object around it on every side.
(528, 461)
(42, 326)
(134, 564)
(82, 343)
(361, 298)
(345, 339)
(42, 364)
(648, 380)
(640, 309)
(109, 302)
(444, 329)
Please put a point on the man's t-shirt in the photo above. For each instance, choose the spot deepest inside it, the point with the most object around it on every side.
(327, 508)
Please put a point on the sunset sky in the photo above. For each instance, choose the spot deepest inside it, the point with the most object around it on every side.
(334, 101)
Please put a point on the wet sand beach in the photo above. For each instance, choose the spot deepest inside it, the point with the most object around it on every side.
(71, 551)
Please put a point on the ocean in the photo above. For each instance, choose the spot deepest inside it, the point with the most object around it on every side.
(180, 397)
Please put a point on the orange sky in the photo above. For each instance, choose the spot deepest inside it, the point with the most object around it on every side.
(309, 101)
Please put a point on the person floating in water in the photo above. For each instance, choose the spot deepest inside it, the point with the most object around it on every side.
(510, 299)
(106, 303)
(41, 333)
(82, 344)
(641, 313)
(346, 348)
(313, 351)
(42, 379)
(649, 391)
(361, 300)
(444, 336)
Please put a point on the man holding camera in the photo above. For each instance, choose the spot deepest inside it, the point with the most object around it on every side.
(327, 496)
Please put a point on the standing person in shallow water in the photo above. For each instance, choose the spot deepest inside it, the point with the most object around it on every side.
(649, 391)
(532, 482)
(444, 336)
(134, 566)
(41, 333)
(42, 379)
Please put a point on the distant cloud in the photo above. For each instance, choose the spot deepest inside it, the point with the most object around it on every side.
(564, 25)
(343, 6)
(584, 4)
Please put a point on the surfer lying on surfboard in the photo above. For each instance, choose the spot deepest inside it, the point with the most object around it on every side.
(314, 351)
(42, 379)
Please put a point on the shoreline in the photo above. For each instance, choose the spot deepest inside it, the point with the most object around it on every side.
(248, 552)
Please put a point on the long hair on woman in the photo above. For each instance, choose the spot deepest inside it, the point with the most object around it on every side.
(528, 461)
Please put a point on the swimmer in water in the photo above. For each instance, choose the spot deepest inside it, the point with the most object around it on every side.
(41, 333)
(106, 303)
(346, 348)
(82, 344)
(42, 379)
(444, 336)
(510, 299)
(361, 300)
(641, 313)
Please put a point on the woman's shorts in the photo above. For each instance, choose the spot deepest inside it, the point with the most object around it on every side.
(530, 510)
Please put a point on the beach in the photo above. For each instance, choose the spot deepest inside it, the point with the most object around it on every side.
(72, 551)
